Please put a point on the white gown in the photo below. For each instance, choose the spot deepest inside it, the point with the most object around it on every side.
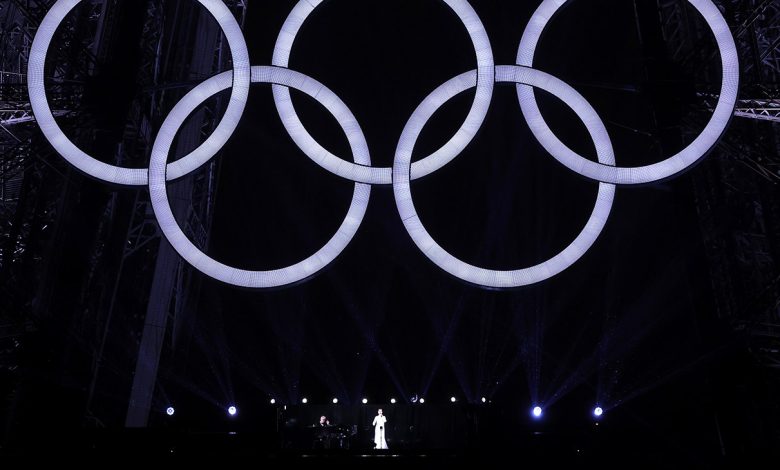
(379, 432)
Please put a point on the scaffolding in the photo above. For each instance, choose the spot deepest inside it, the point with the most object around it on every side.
(135, 291)
(737, 197)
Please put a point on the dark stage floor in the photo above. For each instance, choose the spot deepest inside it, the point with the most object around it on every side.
(543, 449)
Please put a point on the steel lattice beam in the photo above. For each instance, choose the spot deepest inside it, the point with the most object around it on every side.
(737, 211)
(765, 109)
(172, 286)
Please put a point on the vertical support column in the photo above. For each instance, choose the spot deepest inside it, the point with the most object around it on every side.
(153, 338)
(165, 298)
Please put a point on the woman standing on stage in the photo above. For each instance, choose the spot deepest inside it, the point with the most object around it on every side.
(379, 430)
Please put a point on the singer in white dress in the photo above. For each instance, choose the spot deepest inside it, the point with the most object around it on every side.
(379, 430)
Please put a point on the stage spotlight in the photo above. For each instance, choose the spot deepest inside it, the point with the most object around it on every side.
(453, 399)
(392, 400)
(484, 400)
(365, 400)
(170, 411)
(305, 400)
(273, 401)
(597, 411)
(232, 410)
(422, 400)
(537, 412)
(335, 400)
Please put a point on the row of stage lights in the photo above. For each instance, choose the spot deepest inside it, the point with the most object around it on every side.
(393, 401)
(536, 411)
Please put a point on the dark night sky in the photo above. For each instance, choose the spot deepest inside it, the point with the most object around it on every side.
(633, 314)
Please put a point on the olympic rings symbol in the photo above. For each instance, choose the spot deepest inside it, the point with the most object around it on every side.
(360, 171)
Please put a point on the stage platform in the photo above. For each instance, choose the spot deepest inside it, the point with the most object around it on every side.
(528, 450)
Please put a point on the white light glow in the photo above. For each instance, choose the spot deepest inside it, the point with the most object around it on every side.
(305, 400)
(191, 253)
(232, 410)
(453, 399)
(170, 411)
(484, 400)
(537, 411)
(335, 401)
(368, 174)
(610, 173)
(489, 277)
(273, 401)
(403, 171)
(598, 411)
(422, 400)
(136, 176)
(392, 400)
(365, 400)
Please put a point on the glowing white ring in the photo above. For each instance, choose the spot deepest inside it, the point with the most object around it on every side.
(213, 268)
(136, 176)
(642, 174)
(403, 170)
(490, 277)
(425, 166)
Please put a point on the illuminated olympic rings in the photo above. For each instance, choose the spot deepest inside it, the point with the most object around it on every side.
(403, 171)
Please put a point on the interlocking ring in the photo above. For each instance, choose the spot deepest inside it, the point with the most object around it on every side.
(489, 277)
(420, 168)
(136, 176)
(643, 174)
(403, 171)
(215, 269)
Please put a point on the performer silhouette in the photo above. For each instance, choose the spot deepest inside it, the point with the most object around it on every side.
(321, 434)
(379, 430)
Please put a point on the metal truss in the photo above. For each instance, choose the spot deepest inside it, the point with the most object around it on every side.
(139, 265)
(759, 109)
(756, 28)
(34, 183)
(737, 193)
(21, 164)
(765, 109)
